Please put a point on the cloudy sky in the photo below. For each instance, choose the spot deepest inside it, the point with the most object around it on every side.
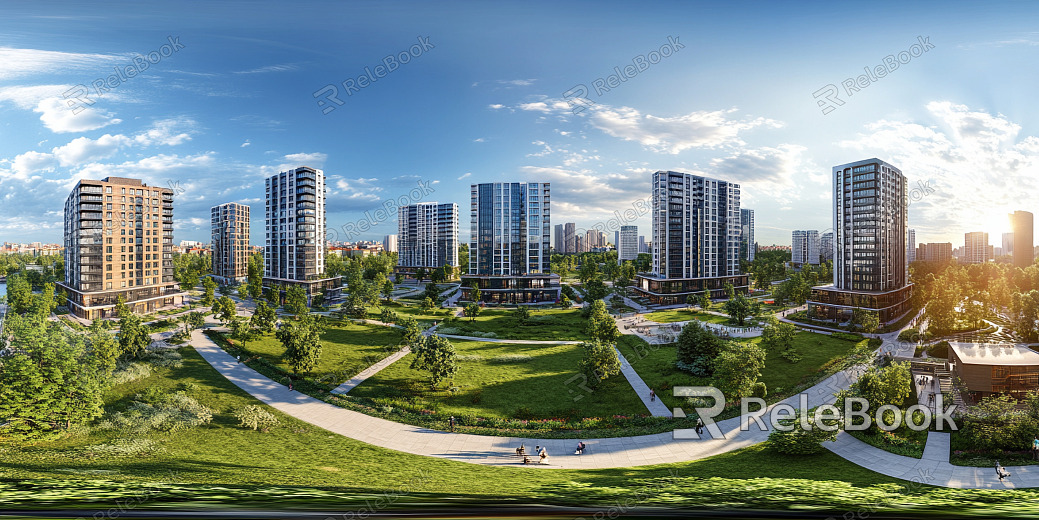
(236, 91)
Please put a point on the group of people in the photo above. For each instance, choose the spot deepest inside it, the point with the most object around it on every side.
(542, 454)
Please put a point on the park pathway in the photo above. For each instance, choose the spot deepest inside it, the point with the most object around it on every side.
(654, 405)
(371, 371)
(488, 450)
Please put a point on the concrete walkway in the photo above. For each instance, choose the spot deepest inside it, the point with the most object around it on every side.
(655, 407)
(371, 371)
(496, 451)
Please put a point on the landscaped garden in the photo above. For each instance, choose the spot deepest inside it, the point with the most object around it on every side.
(677, 315)
(503, 381)
(541, 325)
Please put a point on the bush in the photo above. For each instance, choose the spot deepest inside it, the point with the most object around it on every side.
(700, 367)
(255, 417)
(939, 350)
(128, 372)
(165, 358)
(760, 390)
(510, 358)
(175, 413)
(800, 441)
(875, 342)
(847, 336)
(524, 412)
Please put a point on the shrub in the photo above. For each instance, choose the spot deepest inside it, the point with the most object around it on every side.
(128, 372)
(165, 358)
(800, 441)
(524, 412)
(255, 417)
(760, 390)
(939, 350)
(875, 342)
(847, 336)
(510, 358)
(175, 413)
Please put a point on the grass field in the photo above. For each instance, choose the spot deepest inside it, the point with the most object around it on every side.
(675, 315)
(507, 380)
(544, 325)
(347, 348)
(424, 318)
(655, 364)
(299, 455)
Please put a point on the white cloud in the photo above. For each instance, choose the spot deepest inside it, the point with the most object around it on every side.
(466, 175)
(479, 140)
(777, 174)
(269, 68)
(28, 163)
(84, 149)
(246, 143)
(60, 118)
(295, 160)
(496, 106)
(170, 132)
(15, 62)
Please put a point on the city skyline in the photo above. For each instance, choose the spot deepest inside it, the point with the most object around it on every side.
(514, 120)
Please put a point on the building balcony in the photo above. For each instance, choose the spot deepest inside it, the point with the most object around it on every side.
(90, 189)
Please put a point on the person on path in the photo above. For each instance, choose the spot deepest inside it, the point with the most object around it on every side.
(699, 426)
(239, 359)
(1035, 448)
(652, 396)
(451, 421)
(543, 456)
(290, 385)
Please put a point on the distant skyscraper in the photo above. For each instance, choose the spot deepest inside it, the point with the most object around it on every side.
(593, 238)
(428, 235)
(389, 243)
(1021, 223)
(804, 247)
(696, 238)
(118, 242)
(976, 249)
(934, 252)
(826, 247)
(747, 234)
(1008, 243)
(643, 247)
(509, 244)
(911, 246)
(559, 239)
(294, 249)
(870, 237)
(230, 232)
(627, 243)
(570, 237)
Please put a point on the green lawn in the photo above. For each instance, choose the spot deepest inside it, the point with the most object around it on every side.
(544, 325)
(506, 381)
(674, 315)
(414, 310)
(208, 465)
(655, 364)
(347, 349)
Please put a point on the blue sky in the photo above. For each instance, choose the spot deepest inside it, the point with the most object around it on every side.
(235, 103)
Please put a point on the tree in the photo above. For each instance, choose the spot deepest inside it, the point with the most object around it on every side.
(256, 276)
(867, 321)
(522, 314)
(121, 309)
(778, 336)
(19, 294)
(240, 330)
(103, 347)
(225, 289)
(209, 288)
(738, 368)
(794, 439)
(43, 304)
(463, 258)
(296, 300)
(410, 331)
(696, 349)
(599, 363)
(472, 310)
(892, 385)
(196, 320)
(730, 291)
(319, 299)
(421, 274)
(565, 302)
(387, 290)
(428, 304)
(595, 289)
(738, 308)
(601, 326)
(133, 337)
(438, 276)
(387, 316)
(474, 291)
(705, 301)
(264, 318)
(302, 342)
(433, 293)
(224, 309)
(435, 355)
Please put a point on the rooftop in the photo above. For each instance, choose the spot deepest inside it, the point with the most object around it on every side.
(994, 354)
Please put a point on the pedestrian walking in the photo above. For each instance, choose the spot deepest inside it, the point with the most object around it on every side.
(1035, 448)
(652, 396)
(451, 422)
(290, 385)
(1001, 472)
(699, 426)
(239, 359)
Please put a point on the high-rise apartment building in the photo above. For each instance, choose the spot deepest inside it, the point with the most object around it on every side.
(119, 242)
(627, 243)
(934, 252)
(510, 235)
(696, 238)
(976, 249)
(1021, 223)
(870, 270)
(294, 227)
(804, 247)
(389, 243)
(826, 247)
(1008, 244)
(559, 239)
(643, 246)
(911, 246)
(231, 250)
(428, 234)
(594, 239)
(570, 237)
(747, 244)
